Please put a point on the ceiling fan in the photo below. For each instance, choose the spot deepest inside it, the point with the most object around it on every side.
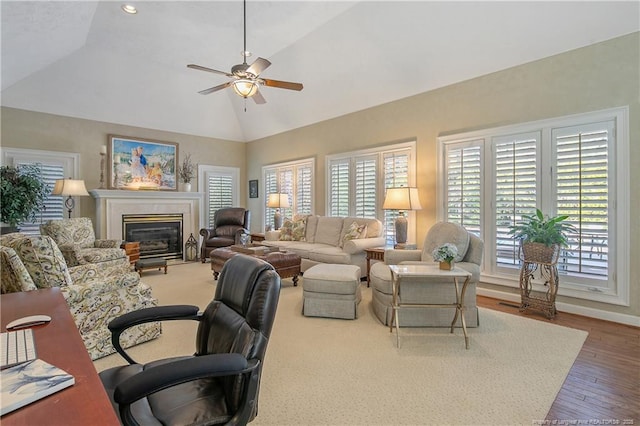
(246, 78)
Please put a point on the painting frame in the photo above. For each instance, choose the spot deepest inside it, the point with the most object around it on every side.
(142, 164)
(253, 188)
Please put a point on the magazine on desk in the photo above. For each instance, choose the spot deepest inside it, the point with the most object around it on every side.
(28, 382)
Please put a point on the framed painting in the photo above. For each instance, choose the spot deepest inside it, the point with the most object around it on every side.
(253, 189)
(142, 164)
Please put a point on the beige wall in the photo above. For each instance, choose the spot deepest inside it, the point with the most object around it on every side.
(601, 76)
(33, 130)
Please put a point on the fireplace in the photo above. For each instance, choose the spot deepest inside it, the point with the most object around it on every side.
(159, 235)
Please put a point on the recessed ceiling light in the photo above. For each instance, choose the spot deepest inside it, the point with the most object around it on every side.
(129, 8)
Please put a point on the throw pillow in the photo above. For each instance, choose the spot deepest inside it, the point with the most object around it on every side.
(298, 229)
(355, 232)
(286, 232)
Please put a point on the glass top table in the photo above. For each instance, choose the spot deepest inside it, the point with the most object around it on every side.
(399, 272)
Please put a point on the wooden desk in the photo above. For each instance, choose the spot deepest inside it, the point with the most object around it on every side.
(58, 343)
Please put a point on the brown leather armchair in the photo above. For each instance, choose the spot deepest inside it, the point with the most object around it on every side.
(228, 225)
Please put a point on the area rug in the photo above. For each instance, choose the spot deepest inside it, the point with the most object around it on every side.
(321, 371)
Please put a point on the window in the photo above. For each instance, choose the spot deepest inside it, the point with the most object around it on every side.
(53, 166)
(221, 189)
(294, 178)
(575, 166)
(357, 182)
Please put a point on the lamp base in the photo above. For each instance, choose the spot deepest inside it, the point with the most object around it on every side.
(277, 220)
(69, 203)
(401, 229)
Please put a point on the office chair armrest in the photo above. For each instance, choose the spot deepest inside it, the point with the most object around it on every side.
(164, 376)
(157, 313)
(141, 316)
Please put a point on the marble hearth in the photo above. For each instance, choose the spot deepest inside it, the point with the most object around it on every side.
(111, 205)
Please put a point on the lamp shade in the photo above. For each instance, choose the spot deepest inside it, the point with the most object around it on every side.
(71, 187)
(278, 201)
(402, 198)
(245, 87)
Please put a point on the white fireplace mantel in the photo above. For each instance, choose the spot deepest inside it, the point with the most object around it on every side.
(112, 204)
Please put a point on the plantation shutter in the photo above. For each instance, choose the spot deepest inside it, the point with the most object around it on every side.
(286, 187)
(582, 179)
(339, 187)
(303, 199)
(295, 180)
(219, 193)
(463, 189)
(516, 190)
(270, 187)
(396, 173)
(365, 187)
(53, 205)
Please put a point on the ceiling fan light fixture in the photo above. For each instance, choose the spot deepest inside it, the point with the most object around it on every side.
(245, 87)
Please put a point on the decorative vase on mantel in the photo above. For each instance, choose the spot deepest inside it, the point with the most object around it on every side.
(186, 186)
(446, 266)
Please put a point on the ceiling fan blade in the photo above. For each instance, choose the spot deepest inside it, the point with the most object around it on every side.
(215, 88)
(258, 98)
(201, 68)
(258, 66)
(282, 84)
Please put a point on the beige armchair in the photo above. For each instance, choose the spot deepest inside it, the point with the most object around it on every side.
(77, 242)
(95, 293)
(470, 249)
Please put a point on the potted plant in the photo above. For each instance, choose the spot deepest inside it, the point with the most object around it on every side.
(186, 172)
(23, 194)
(445, 255)
(542, 236)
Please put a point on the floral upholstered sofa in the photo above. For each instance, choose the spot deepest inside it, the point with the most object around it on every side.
(77, 241)
(328, 239)
(95, 293)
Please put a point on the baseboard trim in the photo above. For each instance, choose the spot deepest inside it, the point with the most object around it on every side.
(568, 308)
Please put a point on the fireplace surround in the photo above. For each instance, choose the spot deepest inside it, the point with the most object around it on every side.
(112, 205)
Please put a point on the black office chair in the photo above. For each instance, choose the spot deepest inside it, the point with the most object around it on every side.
(217, 385)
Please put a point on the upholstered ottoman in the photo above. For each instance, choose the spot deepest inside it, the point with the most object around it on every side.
(286, 263)
(331, 291)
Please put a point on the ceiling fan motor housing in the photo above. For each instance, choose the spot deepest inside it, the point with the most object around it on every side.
(240, 70)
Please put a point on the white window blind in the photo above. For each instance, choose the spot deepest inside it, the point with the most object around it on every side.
(582, 181)
(286, 185)
(516, 189)
(340, 176)
(304, 200)
(396, 173)
(53, 165)
(357, 182)
(576, 166)
(365, 199)
(53, 205)
(219, 193)
(294, 179)
(464, 177)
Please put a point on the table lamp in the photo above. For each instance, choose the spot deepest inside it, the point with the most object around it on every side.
(278, 201)
(401, 199)
(70, 188)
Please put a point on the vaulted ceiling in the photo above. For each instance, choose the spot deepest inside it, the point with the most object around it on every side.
(91, 60)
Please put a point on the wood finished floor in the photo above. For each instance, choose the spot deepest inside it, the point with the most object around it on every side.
(603, 386)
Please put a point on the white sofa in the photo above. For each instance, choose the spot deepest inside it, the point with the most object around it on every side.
(326, 239)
